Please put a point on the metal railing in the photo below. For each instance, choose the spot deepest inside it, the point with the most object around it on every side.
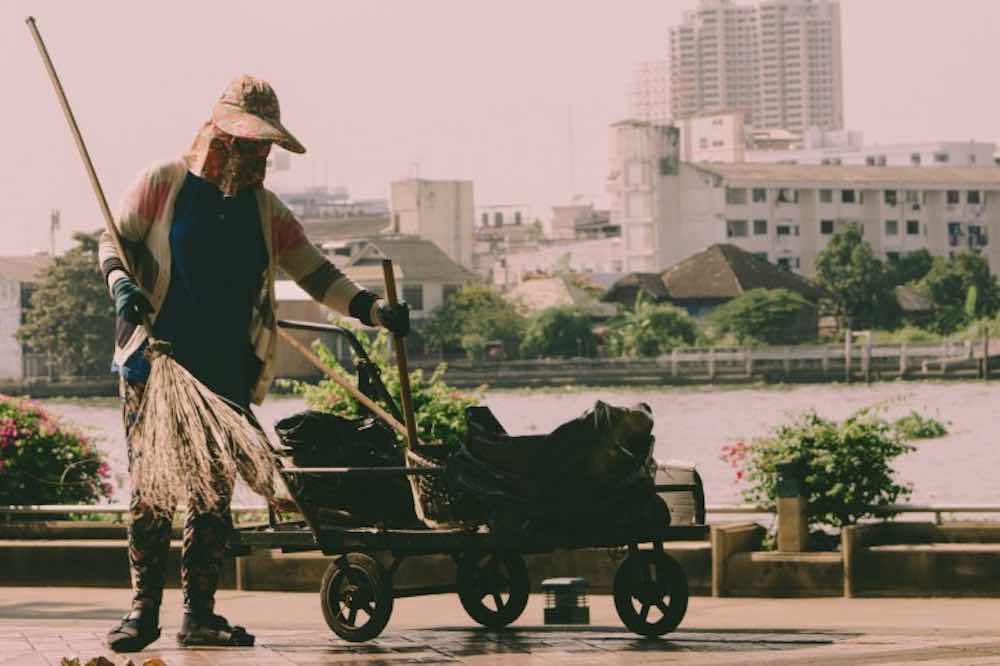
(888, 509)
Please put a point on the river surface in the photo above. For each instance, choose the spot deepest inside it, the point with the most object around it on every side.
(692, 424)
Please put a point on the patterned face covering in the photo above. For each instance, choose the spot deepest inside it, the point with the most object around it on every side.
(228, 162)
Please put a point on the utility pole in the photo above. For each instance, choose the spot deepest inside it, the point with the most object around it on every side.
(53, 228)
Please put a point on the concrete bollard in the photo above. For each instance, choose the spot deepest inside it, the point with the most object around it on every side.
(793, 530)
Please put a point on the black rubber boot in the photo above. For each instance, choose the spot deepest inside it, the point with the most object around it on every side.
(137, 630)
(208, 629)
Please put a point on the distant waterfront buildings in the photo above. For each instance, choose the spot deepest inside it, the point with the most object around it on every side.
(778, 62)
(441, 211)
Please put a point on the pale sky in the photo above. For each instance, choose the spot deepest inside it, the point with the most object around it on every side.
(469, 89)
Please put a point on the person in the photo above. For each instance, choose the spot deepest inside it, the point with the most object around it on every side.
(204, 240)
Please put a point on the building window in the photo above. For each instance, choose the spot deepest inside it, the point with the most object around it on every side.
(785, 263)
(973, 197)
(826, 196)
(736, 228)
(912, 227)
(912, 199)
(787, 195)
(449, 290)
(826, 227)
(759, 195)
(486, 219)
(891, 227)
(915, 159)
(498, 219)
(977, 236)
(517, 217)
(892, 257)
(759, 227)
(954, 233)
(736, 195)
(940, 158)
(413, 294)
(890, 197)
(847, 196)
(784, 230)
(952, 197)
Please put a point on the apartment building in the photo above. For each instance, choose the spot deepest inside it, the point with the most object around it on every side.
(648, 95)
(778, 62)
(441, 211)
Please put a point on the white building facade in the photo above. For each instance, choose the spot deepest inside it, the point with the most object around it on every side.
(441, 211)
(499, 215)
(778, 62)
(788, 213)
(648, 95)
(929, 153)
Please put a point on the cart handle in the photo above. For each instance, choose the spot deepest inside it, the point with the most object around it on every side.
(375, 471)
(359, 351)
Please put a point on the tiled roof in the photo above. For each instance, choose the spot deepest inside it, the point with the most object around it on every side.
(416, 259)
(323, 230)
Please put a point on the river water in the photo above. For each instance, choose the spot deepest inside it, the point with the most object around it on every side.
(692, 424)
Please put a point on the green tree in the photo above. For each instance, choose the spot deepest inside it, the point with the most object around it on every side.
(771, 316)
(559, 331)
(910, 267)
(963, 289)
(650, 329)
(858, 281)
(475, 310)
(70, 315)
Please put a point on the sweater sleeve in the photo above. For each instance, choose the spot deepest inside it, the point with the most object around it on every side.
(141, 204)
(305, 264)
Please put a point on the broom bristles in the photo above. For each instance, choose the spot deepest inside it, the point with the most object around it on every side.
(189, 442)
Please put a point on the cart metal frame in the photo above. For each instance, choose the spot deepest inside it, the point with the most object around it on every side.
(489, 564)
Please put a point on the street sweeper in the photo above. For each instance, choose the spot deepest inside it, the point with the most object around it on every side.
(203, 240)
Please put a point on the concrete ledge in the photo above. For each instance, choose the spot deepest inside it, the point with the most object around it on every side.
(94, 563)
(769, 574)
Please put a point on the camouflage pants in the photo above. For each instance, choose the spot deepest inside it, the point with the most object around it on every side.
(204, 541)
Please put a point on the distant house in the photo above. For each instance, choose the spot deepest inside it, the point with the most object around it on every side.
(708, 279)
(425, 277)
(548, 292)
(18, 277)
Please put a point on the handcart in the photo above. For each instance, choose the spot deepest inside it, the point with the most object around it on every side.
(357, 593)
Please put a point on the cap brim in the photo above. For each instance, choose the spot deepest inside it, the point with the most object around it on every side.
(248, 126)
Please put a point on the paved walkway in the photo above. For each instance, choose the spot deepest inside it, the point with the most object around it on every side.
(45, 625)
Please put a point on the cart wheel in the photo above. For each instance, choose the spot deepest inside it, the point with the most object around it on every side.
(651, 593)
(493, 588)
(356, 597)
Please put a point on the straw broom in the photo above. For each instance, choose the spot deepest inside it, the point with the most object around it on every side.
(186, 441)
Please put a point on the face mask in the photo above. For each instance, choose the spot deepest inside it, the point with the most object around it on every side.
(230, 163)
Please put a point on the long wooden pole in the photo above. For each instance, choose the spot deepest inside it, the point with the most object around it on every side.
(82, 147)
(399, 343)
(346, 385)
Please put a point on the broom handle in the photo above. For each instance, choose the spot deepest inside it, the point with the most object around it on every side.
(346, 385)
(84, 153)
(399, 343)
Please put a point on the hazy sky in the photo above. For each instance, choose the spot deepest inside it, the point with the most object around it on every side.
(466, 88)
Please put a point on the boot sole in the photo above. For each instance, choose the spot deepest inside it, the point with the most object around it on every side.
(133, 643)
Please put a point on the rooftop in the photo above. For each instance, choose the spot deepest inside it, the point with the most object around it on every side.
(24, 269)
(839, 176)
(415, 259)
(324, 230)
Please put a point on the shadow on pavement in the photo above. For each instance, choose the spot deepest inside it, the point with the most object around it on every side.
(59, 610)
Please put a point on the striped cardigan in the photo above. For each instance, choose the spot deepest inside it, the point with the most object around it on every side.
(143, 220)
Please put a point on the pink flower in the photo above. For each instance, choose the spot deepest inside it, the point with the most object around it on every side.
(103, 470)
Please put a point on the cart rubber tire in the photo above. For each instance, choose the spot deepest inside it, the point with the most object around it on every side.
(490, 575)
(655, 581)
(355, 583)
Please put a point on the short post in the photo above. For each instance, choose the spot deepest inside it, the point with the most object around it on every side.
(566, 601)
(903, 360)
(825, 359)
(848, 341)
(711, 363)
(986, 354)
(786, 360)
(866, 359)
(793, 530)
(748, 356)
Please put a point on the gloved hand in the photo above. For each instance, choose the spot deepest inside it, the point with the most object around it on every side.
(130, 303)
(396, 319)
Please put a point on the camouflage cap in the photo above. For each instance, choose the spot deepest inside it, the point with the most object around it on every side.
(249, 109)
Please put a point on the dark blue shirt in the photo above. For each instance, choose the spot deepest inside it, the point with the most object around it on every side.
(218, 260)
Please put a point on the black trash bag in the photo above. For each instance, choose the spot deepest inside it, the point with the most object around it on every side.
(318, 439)
(595, 467)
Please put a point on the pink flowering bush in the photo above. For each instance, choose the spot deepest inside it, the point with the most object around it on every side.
(43, 461)
(848, 465)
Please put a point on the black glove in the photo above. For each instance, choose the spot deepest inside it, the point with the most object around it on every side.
(130, 303)
(395, 318)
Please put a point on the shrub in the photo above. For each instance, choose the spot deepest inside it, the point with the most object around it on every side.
(650, 329)
(439, 408)
(475, 310)
(43, 461)
(848, 465)
(559, 331)
(915, 426)
(770, 316)
(963, 288)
